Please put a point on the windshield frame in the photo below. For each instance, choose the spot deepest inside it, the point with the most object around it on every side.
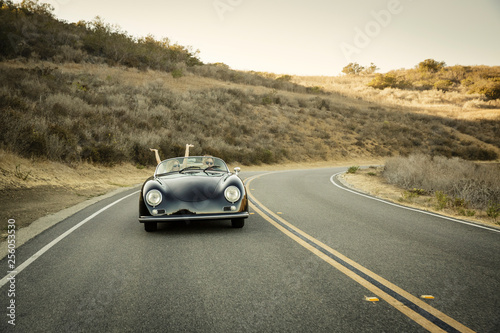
(191, 164)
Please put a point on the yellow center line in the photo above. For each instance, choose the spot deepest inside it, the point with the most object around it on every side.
(313, 245)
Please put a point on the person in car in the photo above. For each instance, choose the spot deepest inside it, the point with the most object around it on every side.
(208, 161)
(157, 155)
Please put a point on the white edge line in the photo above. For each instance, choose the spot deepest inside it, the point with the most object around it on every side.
(408, 208)
(30, 260)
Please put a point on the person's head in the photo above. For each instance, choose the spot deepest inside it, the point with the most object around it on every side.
(176, 165)
(208, 161)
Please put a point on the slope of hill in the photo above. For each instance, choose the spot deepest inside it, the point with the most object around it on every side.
(84, 112)
(464, 100)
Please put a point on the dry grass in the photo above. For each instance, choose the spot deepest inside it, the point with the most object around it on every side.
(471, 184)
(452, 104)
(372, 181)
(83, 112)
(18, 172)
(32, 188)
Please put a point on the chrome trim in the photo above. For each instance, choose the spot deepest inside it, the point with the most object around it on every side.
(172, 218)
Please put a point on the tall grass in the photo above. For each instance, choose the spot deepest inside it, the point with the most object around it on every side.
(462, 181)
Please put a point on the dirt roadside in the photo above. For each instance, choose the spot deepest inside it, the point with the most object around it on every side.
(32, 189)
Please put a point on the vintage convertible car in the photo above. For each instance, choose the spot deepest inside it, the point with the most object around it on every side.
(193, 188)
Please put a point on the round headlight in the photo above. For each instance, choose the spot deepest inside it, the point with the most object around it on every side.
(232, 194)
(153, 198)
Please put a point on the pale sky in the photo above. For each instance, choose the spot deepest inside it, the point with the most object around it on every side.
(309, 37)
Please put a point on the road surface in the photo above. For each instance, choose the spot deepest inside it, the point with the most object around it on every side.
(312, 257)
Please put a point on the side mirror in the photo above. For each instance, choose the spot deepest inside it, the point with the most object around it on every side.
(237, 170)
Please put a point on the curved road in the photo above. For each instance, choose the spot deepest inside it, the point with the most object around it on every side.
(313, 257)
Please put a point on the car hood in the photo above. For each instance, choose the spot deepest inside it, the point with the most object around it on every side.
(193, 188)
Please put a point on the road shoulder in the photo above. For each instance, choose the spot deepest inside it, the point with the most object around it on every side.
(370, 181)
(43, 223)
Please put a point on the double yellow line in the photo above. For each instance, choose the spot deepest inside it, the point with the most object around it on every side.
(422, 313)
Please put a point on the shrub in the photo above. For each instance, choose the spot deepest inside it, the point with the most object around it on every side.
(314, 90)
(476, 153)
(353, 169)
(389, 80)
(468, 183)
(353, 69)
(408, 196)
(489, 88)
(284, 78)
(177, 73)
(430, 65)
(102, 153)
(442, 200)
(264, 155)
(443, 85)
(493, 210)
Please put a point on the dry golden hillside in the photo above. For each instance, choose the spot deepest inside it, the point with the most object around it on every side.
(102, 114)
(452, 104)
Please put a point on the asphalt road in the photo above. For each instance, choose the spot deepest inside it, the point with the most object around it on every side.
(307, 260)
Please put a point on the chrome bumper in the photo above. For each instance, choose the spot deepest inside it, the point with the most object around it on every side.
(173, 218)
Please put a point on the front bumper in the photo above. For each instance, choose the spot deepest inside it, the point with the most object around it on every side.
(188, 217)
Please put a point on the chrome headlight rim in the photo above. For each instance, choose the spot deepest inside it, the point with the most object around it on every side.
(232, 193)
(153, 197)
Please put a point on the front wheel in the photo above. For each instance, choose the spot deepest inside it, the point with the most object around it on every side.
(150, 226)
(237, 223)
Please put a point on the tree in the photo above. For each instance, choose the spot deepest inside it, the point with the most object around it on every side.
(389, 80)
(35, 7)
(430, 66)
(372, 69)
(352, 69)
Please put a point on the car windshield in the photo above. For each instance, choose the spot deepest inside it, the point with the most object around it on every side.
(191, 164)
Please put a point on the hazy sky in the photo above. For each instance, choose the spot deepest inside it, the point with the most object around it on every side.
(309, 37)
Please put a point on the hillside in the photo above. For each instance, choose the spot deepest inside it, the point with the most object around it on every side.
(468, 92)
(122, 95)
(84, 112)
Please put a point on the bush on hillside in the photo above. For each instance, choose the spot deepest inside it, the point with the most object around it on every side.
(444, 85)
(477, 184)
(431, 65)
(431, 74)
(29, 29)
(354, 68)
(490, 88)
(389, 80)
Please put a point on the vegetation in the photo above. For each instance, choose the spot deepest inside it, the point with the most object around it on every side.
(389, 80)
(356, 69)
(455, 183)
(30, 30)
(431, 74)
(353, 169)
(89, 92)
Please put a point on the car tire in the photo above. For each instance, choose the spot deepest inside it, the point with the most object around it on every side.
(150, 226)
(237, 223)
